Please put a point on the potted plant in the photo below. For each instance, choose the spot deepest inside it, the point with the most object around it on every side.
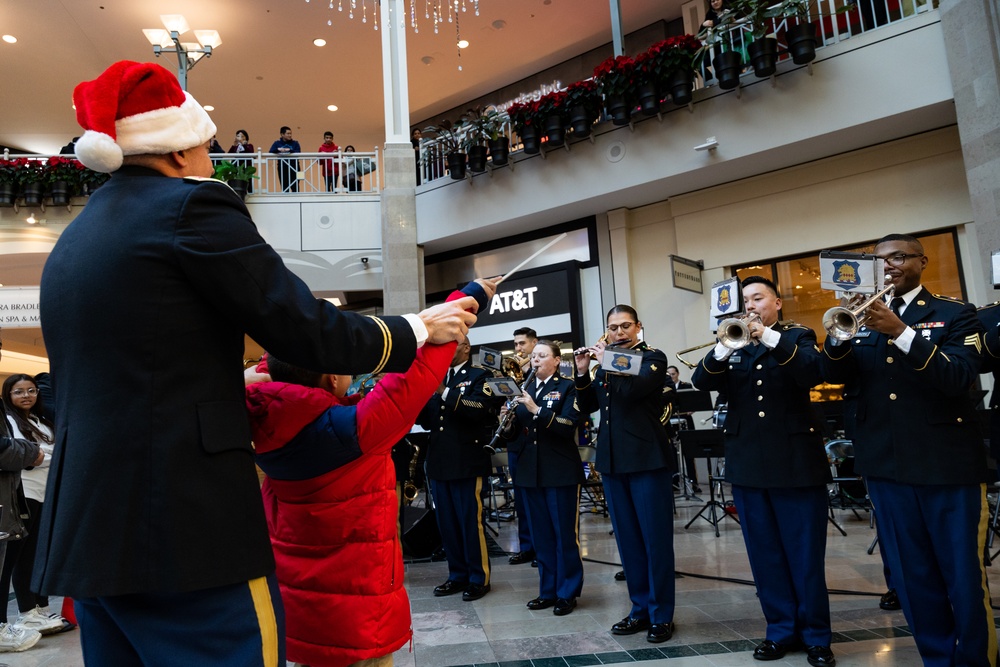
(475, 138)
(64, 177)
(553, 111)
(647, 90)
(450, 142)
(671, 62)
(616, 81)
(9, 180)
(801, 37)
(524, 120)
(31, 179)
(584, 104)
(494, 123)
(762, 50)
(237, 175)
(720, 39)
(93, 180)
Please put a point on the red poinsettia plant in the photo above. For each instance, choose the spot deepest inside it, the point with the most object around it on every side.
(616, 77)
(70, 170)
(523, 113)
(552, 104)
(584, 94)
(668, 55)
(11, 168)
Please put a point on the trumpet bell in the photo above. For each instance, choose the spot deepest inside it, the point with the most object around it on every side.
(841, 323)
(734, 333)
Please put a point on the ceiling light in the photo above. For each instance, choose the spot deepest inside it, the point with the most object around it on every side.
(427, 60)
(499, 24)
(188, 53)
(463, 43)
(319, 42)
(208, 107)
(332, 107)
(31, 219)
(175, 23)
(10, 39)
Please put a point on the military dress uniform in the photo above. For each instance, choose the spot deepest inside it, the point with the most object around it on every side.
(549, 476)
(918, 443)
(778, 468)
(460, 424)
(989, 317)
(637, 466)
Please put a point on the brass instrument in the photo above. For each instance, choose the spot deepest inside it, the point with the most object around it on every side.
(409, 488)
(842, 322)
(513, 367)
(733, 332)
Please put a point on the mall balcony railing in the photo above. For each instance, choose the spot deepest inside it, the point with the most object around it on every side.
(836, 21)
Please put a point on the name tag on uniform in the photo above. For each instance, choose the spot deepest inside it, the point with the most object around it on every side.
(863, 334)
(735, 358)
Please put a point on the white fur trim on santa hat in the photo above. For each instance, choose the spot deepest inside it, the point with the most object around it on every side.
(156, 132)
(98, 151)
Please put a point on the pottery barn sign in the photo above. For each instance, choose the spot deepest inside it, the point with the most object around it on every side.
(19, 307)
(687, 273)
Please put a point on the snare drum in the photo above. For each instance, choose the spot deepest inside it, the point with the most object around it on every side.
(719, 416)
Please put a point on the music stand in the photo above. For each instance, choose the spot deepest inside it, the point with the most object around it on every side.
(688, 402)
(709, 444)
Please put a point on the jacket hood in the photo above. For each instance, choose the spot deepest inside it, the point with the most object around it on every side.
(278, 411)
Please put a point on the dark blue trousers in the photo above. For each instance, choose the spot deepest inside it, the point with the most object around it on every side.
(934, 537)
(641, 505)
(555, 524)
(459, 512)
(785, 534)
(520, 507)
(242, 625)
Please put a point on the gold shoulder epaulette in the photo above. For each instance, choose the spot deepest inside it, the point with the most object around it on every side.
(989, 305)
(790, 324)
(945, 297)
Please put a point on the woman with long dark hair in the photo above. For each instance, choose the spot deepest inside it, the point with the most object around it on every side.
(25, 417)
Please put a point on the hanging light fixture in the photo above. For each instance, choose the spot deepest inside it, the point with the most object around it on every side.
(437, 11)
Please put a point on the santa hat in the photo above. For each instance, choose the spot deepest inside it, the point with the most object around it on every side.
(136, 109)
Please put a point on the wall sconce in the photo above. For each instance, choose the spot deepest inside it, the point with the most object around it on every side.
(710, 145)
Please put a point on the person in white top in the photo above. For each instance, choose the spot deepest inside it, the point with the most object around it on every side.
(26, 421)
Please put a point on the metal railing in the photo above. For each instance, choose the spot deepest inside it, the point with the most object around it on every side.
(834, 23)
(311, 173)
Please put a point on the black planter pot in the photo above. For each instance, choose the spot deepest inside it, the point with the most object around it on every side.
(802, 42)
(727, 67)
(456, 165)
(763, 56)
(530, 139)
(619, 110)
(500, 151)
(681, 83)
(8, 193)
(580, 121)
(649, 99)
(477, 159)
(60, 193)
(240, 187)
(555, 131)
(32, 194)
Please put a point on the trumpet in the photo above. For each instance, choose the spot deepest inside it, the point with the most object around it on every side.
(733, 332)
(842, 322)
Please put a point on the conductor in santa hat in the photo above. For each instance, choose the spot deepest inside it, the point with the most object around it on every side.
(153, 521)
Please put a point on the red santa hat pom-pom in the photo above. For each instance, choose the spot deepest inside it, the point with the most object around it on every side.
(133, 109)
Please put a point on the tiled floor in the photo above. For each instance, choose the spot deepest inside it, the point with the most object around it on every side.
(718, 621)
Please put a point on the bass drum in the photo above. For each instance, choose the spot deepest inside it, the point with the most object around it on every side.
(719, 416)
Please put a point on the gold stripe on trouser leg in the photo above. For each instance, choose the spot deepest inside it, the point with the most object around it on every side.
(984, 521)
(264, 607)
(483, 551)
(578, 518)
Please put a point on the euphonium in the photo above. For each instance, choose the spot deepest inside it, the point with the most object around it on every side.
(409, 488)
(842, 322)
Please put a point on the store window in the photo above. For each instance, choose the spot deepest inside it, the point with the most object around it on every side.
(803, 301)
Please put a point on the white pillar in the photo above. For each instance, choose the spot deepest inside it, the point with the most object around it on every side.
(395, 86)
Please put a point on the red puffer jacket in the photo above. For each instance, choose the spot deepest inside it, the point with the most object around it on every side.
(333, 524)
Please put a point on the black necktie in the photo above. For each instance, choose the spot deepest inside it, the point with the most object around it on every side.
(451, 376)
(896, 304)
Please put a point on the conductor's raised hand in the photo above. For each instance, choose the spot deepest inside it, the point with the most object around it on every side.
(449, 321)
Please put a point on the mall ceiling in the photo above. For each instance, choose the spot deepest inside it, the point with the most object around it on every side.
(268, 73)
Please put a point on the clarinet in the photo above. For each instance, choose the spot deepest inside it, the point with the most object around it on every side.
(505, 422)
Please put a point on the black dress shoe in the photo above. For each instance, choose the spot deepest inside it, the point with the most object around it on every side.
(541, 603)
(521, 557)
(660, 632)
(475, 591)
(449, 587)
(769, 650)
(820, 656)
(564, 606)
(620, 575)
(534, 563)
(889, 601)
(630, 626)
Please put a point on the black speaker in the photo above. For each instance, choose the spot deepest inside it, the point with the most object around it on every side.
(421, 537)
